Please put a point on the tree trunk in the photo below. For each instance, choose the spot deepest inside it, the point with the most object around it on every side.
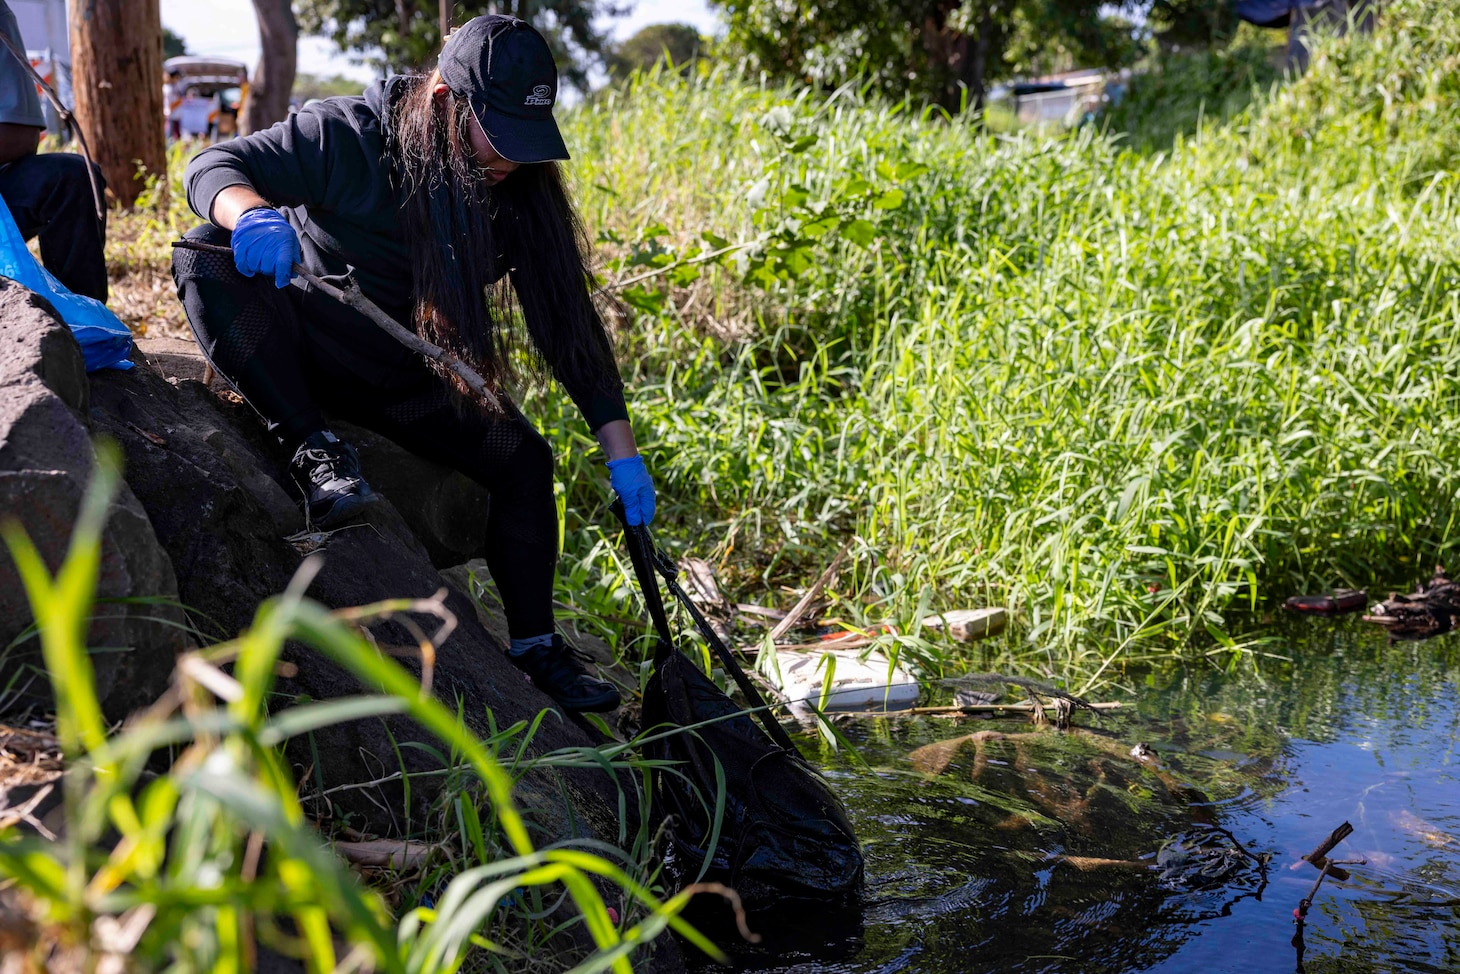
(977, 64)
(116, 72)
(268, 95)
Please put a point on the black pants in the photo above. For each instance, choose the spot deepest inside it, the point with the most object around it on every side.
(50, 197)
(296, 354)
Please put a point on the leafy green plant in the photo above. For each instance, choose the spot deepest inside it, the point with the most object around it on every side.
(1134, 396)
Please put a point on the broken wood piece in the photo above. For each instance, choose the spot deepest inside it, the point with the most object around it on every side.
(988, 708)
(799, 609)
(1319, 856)
(385, 853)
(840, 636)
(853, 641)
(747, 608)
(966, 625)
(1015, 708)
(844, 639)
(1340, 600)
(699, 583)
(1088, 863)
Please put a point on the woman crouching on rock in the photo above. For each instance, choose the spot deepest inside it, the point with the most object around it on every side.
(432, 193)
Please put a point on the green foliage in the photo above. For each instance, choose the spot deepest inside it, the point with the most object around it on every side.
(193, 867)
(933, 50)
(172, 44)
(1126, 394)
(679, 43)
(1185, 24)
(307, 86)
(405, 35)
(1179, 91)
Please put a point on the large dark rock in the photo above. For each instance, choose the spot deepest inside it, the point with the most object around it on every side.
(213, 487)
(46, 459)
(206, 495)
(445, 510)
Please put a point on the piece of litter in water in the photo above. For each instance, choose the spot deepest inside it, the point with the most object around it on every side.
(857, 683)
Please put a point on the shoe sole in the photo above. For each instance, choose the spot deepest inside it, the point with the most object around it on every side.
(345, 508)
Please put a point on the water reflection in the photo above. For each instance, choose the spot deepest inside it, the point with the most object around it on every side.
(993, 848)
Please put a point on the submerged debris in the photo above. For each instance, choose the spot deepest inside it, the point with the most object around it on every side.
(1203, 859)
(1431, 610)
(1336, 602)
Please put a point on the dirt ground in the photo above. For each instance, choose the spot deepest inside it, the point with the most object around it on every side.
(138, 263)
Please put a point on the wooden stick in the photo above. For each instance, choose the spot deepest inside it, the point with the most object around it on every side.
(1319, 856)
(981, 708)
(386, 853)
(985, 708)
(746, 608)
(852, 640)
(800, 607)
(352, 296)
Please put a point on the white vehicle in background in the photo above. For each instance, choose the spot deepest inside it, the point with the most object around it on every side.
(203, 96)
(46, 36)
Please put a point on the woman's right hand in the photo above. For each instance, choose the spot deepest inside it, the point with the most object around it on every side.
(265, 243)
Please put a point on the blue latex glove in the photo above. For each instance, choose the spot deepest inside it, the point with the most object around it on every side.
(265, 243)
(630, 479)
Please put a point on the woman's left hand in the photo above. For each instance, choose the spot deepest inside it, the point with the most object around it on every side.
(631, 481)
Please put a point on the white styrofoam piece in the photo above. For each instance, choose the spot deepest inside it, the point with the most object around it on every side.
(857, 684)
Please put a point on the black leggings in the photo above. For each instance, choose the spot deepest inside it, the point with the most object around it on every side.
(295, 355)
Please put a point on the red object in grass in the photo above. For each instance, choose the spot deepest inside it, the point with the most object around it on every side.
(1342, 600)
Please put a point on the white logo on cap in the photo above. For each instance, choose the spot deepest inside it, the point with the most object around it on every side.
(541, 95)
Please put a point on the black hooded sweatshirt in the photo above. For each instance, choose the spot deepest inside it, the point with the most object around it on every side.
(325, 168)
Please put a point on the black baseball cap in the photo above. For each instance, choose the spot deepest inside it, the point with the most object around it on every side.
(503, 67)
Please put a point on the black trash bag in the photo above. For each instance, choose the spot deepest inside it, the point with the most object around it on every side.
(781, 833)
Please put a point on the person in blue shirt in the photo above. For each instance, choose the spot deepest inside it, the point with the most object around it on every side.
(48, 194)
(441, 197)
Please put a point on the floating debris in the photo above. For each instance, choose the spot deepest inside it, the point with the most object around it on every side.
(1335, 603)
(966, 625)
(852, 682)
(1428, 611)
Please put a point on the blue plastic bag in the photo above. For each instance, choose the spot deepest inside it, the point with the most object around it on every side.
(105, 341)
(1269, 13)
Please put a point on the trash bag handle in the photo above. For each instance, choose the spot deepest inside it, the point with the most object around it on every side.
(646, 558)
(641, 553)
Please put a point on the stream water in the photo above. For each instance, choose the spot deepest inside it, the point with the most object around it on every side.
(1040, 851)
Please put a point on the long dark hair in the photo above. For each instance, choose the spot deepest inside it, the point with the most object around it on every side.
(467, 238)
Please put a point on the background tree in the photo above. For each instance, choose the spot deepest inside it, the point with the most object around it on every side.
(680, 42)
(938, 49)
(172, 45)
(273, 79)
(116, 74)
(1186, 24)
(405, 35)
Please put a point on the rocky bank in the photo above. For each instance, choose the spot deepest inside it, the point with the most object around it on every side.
(203, 522)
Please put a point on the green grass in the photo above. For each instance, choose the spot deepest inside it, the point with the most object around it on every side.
(1126, 393)
(1134, 383)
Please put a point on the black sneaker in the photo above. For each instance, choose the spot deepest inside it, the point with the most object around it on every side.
(558, 671)
(327, 470)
